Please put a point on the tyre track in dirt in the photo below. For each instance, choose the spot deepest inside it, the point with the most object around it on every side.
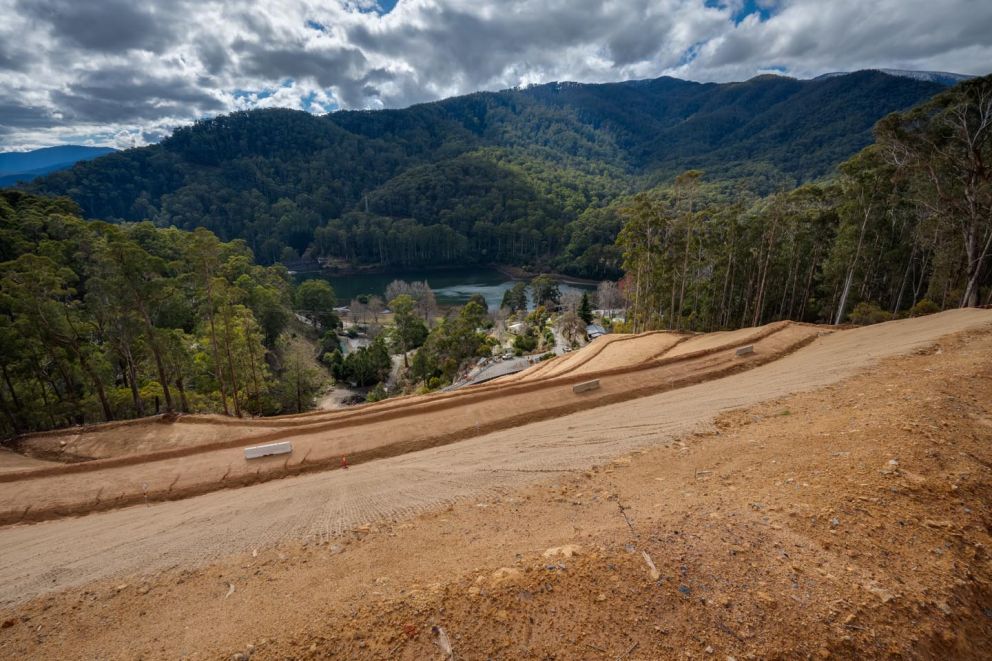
(56, 554)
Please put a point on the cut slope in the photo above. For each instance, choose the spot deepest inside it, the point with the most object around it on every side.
(314, 507)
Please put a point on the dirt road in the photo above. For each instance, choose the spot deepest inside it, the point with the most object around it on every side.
(850, 521)
(38, 558)
(380, 430)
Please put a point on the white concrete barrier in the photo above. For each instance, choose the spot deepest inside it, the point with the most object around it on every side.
(744, 351)
(285, 447)
(585, 387)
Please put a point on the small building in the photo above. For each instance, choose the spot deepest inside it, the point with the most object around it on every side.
(594, 330)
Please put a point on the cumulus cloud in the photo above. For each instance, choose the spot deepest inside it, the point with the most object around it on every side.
(124, 73)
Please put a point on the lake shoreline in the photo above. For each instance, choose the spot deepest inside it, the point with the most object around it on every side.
(518, 273)
(511, 272)
(451, 286)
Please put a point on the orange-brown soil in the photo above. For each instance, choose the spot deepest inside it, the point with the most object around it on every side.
(849, 521)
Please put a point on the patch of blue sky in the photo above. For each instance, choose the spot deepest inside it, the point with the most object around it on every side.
(380, 7)
(264, 93)
(690, 53)
(765, 9)
(310, 103)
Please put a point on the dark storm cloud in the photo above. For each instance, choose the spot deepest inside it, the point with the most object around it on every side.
(104, 25)
(120, 95)
(327, 68)
(15, 117)
(213, 54)
(127, 71)
(13, 58)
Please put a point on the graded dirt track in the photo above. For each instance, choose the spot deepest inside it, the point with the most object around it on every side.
(38, 558)
(604, 353)
(390, 428)
(846, 521)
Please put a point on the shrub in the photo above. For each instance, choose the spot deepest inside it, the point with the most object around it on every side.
(865, 313)
(377, 394)
(526, 342)
(924, 307)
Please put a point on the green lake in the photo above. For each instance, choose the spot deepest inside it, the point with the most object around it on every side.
(450, 286)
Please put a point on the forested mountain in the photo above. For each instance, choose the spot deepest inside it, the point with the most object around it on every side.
(525, 176)
(18, 166)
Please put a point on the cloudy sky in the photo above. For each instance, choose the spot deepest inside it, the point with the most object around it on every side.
(123, 73)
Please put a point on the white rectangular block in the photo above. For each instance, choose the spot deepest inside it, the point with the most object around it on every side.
(743, 351)
(585, 387)
(284, 447)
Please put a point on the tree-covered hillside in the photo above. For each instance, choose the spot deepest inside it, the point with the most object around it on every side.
(904, 228)
(521, 176)
(103, 322)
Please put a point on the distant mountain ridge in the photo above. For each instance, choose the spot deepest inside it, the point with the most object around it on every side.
(939, 77)
(518, 176)
(24, 166)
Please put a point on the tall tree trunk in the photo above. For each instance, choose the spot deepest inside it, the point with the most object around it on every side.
(850, 269)
(905, 279)
(132, 371)
(230, 360)
(218, 371)
(254, 372)
(108, 414)
(10, 387)
(976, 259)
(14, 415)
(183, 404)
(759, 305)
(159, 366)
(685, 262)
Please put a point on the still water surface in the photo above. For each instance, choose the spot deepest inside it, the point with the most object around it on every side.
(450, 286)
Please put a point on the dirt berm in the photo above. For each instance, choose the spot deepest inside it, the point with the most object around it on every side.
(406, 425)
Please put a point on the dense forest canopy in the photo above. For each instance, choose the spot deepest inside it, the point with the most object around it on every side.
(525, 176)
(100, 321)
(904, 228)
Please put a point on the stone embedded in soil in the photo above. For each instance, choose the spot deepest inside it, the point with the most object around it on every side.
(504, 575)
(566, 551)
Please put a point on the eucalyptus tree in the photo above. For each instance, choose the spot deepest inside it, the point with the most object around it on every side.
(946, 145)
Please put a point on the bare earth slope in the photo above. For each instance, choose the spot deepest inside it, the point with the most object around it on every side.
(386, 429)
(850, 522)
(319, 506)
